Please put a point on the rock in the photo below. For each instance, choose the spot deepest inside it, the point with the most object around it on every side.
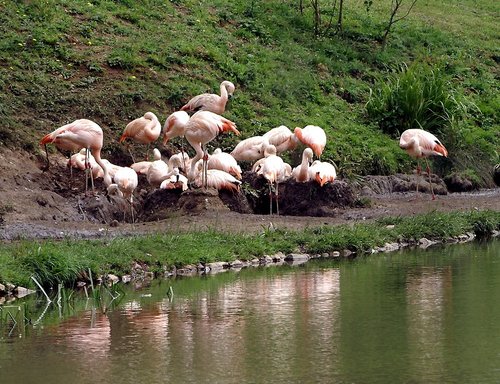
(297, 258)
(236, 264)
(21, 292)
(391, 247)
(126, 279)
(278, 257)
(266, 259)
(335, 254)
(459, 183)
(216, 267)
(424, 243)
(3, 290)
(496, 174)
(113, 279)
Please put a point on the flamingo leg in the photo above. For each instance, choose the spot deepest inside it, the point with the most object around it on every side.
(47, 157)
(132, 209)
(270, 199)
(430, 182)
(277, 199)
(204, 178)
(130, 153)
(419, 172)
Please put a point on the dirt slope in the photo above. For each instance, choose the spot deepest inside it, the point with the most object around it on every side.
(38, 204)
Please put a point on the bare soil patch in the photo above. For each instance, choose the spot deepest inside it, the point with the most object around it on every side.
(53, 204)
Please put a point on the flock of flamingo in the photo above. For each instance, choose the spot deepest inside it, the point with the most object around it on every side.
(200, 121)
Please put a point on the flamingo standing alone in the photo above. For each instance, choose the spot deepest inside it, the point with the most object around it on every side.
(210, 101)
(143, 130)
(80, 134)
(419, 143)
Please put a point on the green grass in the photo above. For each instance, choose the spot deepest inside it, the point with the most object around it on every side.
(54, 262)
(110, 61)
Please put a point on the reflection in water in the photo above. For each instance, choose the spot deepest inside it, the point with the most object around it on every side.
(426, 301)
(410, 317)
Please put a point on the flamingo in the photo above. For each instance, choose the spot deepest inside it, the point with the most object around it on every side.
(301, 172)
(141, 167)
(143, 130)
(273, 169)
(282, 138)
(79, 161)
(249, 149)
(419, 143)
(313, 137)
(215, 178)
(201, 128)
(176, 181)
(80, 134)
(179, 160)
(157, 172)
(211, 102)
(224, 162)
(175, 125)
(322, 172)
(125, 182)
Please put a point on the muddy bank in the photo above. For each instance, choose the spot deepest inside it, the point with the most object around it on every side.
(52, 204)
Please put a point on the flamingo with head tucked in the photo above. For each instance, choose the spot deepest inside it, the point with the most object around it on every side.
(143, 130)
(125, 182)
(313, 137)
(322, 172)
(422, 144)
(210, 101)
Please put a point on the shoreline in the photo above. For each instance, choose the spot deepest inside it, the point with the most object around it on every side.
(175, 253)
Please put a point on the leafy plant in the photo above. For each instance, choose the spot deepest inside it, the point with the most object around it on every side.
(418, 96)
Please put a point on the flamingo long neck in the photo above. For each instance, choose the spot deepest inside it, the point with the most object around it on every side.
(304, 169)
(97, 156)
(223, 94)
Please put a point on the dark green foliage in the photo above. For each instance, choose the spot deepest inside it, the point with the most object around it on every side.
(418, 96)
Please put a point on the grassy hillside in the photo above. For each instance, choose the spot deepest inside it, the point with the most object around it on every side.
(111, 61)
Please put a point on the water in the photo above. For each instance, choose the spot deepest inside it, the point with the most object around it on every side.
(411, 317)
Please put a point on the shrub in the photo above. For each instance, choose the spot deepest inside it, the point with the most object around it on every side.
(419, 96)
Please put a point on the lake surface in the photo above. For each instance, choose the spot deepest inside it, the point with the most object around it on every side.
(422, 316)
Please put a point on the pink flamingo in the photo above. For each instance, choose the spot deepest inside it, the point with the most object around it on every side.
(322, 172)
(143, 130)
(216, 178)
(224, 162)
(419, 143)
(125, 183)
(273, 169)
(202, 128)
(313, 137)
(80, 134)
(282, 138)
(249, 149)
(301, 172)
(210, 101)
